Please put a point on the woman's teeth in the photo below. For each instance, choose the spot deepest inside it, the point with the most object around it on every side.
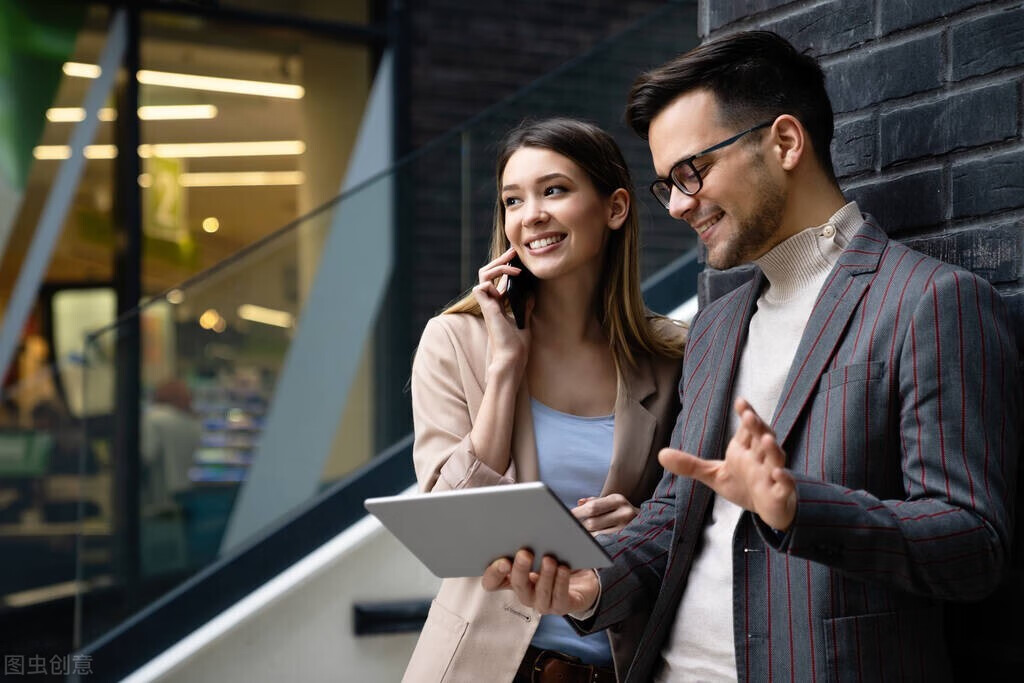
(545, 241)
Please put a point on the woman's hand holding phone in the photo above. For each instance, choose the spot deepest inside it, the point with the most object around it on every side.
(509, 345)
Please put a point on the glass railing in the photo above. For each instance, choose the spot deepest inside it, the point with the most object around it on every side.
(269, 377)
(52, 489)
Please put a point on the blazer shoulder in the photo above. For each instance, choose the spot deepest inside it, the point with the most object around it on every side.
(459, 338)
(453, 327)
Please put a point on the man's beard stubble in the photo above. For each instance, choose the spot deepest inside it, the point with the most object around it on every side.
(756, 234)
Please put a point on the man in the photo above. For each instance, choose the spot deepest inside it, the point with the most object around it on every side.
(870, 393)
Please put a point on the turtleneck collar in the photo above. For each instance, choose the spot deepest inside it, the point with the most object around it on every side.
(805, 258)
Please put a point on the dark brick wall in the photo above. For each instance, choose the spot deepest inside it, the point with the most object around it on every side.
(468, 55)
(929, 98)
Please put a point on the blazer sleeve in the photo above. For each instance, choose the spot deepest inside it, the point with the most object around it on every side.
(640, 556)
(959, 416)
(443, 416)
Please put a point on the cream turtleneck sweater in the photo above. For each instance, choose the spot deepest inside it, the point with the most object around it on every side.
(701, 646)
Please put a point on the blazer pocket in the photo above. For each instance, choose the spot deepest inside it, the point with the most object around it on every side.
(890, 646)
(857, 372)
(442, 632)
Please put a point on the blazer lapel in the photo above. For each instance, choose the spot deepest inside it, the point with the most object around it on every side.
(709, 384)
(839, 298)
(634, 428)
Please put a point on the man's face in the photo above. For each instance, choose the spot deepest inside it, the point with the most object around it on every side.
(738, 212)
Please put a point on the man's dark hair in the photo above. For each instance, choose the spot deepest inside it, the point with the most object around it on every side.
(754, 76)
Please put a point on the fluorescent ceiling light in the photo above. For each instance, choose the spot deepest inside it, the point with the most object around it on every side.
(267, 316)
(217, 84)
(51, 152)
(47, 152)
(175, 112)
(241, 178)
(76, 114)
(101, 152)
(79, 70)
(223, 149)
(233, 179)
(195, 82)
(190, 150)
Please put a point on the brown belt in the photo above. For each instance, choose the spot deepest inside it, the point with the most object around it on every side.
(549, 666)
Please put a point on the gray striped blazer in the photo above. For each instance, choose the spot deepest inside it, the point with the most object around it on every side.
(900, 419)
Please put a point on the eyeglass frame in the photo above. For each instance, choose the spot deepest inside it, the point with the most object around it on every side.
(670, 181)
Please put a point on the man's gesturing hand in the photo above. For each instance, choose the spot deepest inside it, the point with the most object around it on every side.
(752, 475)
(556, 589)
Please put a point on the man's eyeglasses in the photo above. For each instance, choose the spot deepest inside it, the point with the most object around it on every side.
(685, 176)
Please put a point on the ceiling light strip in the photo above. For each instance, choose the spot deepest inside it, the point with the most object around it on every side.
(169, 79)
(187, 150)
(241, 178)
(170, 112)
(216, 84)
(223, 149)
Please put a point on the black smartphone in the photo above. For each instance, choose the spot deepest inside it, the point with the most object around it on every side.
(518, 291)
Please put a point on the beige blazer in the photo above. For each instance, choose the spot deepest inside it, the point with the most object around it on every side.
(472, 635)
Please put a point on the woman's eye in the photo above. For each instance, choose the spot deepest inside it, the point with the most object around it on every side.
(554, 189)
(510, 201)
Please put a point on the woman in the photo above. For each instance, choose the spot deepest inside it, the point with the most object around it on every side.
(582, 397)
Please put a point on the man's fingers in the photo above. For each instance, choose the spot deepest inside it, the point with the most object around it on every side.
(750, 421)
(740, 405)
(773, 455)
(496, 575)
(685, 465)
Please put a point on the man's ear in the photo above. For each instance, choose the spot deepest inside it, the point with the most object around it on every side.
(618, 208)
(790, 141)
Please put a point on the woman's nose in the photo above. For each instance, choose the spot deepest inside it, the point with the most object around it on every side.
(533, 212)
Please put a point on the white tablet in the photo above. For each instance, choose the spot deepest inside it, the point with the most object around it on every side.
(459, 533)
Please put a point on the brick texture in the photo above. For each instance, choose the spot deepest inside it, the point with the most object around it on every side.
(823, 29)
(853, 146)
(900, 14)
(721, 13)
(994, 252)
(957, 121)
(988, 184)
(988, 44)
(905, 202)
(883, 73)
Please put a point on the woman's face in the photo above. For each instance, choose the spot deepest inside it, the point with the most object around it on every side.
(554, 216)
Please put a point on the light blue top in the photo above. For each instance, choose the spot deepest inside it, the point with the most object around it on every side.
(574, 454)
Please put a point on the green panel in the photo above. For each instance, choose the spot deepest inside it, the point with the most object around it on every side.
(24, 453)
(36, 38)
